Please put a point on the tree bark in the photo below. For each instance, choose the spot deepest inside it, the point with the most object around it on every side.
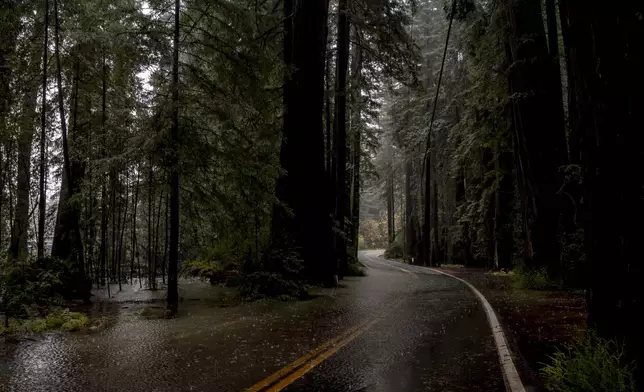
(68, 243)
(151, 277)
(340, 133)
(609, 91)
(135, 251)
(9, 29)
(308, 228)
(173, 262)
(102, 253)
(540, 144)
(29, 113)
(42, 185)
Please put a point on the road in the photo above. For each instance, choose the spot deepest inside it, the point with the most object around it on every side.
(400, 328)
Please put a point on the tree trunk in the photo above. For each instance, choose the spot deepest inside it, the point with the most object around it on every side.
(42, 188)
(122, 235)
(156, 236)
(340, 133)
(503, 236)
(308, 228)
(29, 113)
(356, 128)
(67, 242)
(102, 253)
(151, 277)
(135, 252)
(9, 29)
(173, 262)
(540, 144)
(165, 243)
(609, 91)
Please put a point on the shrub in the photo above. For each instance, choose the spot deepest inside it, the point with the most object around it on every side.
(278, 276)
(591, 364)
(32, 286)
(361, 243)
(535, 279)
(395, 251)
(355, 269)
(63, 319)
(203, 268)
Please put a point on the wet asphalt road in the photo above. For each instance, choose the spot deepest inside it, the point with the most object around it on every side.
(427, 333)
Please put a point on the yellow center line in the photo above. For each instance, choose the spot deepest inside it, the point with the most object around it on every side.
(300, 361)
(317, 360)
(308, 361)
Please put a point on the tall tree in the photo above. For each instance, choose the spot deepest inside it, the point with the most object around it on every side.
(27, 124)
(609, 93)
(9, 29)
(540, 144)
(67, 242)
(340, 133)
(42, 167)
(307, 227)
(173, 261)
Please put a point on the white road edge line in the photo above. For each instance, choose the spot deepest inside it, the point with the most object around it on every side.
(512, 380)
(510, 375)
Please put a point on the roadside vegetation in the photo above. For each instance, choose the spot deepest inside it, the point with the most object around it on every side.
(590, 364)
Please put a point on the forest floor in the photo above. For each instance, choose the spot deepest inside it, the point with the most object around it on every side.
(537, 322)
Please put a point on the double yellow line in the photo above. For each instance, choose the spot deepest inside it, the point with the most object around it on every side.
(286, 376)
(289, 374)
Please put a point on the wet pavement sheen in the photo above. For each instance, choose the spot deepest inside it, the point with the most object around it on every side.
(431, 334)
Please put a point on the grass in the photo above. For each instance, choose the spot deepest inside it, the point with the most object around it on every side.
(57, 320)
(452, 266)
(527, 279)
(591, 364)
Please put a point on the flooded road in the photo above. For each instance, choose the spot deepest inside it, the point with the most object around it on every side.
(420, 331)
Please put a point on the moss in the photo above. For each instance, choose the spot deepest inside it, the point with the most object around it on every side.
(60, 319)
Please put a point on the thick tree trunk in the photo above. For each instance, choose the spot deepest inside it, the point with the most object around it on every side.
(503, 236)
(68, 243)
(356, 128)
(540, 144)
(173, 262)
(328, 122)
(606, 39)
(340, 134)
(308, 228)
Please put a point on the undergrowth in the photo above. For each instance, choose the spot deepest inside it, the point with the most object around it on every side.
(591, 364)
(355, 269)
(60, 319)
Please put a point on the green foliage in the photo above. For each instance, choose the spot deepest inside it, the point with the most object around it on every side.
(202, 268)
(31, 286)
(536, 279)
(278, 276)
(355, 269)
(361, 242)
(573, 259)
(592, 364)
(395, 250)
(60, 319)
